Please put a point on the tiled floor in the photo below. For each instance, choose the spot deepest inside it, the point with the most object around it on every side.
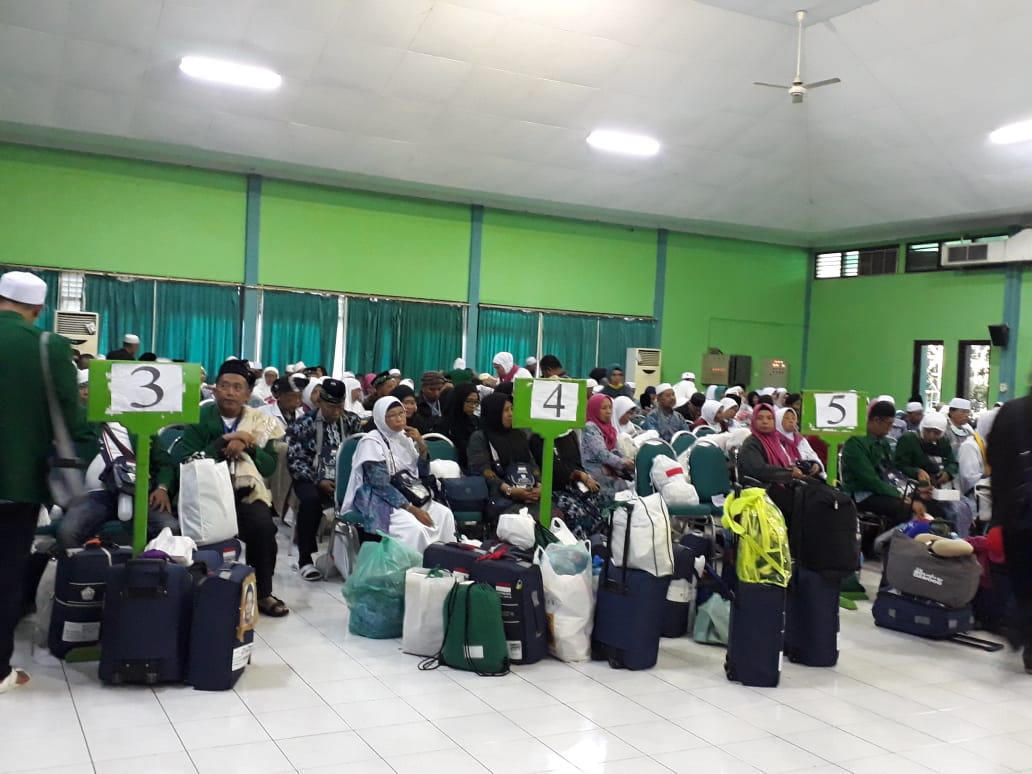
(317, 699)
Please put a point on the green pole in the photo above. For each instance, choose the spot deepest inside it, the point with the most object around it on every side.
(547, 461)
(140, 509)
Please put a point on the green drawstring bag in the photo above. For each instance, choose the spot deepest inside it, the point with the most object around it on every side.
(712, 621)
(474, 637)
(763, 555)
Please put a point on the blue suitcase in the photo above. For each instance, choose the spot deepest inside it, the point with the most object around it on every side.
(145, 635)
(916, 615)
(225, 611)
(629, 617)
(757, 635)
(230, 550)
(812, 619)
(79, 589)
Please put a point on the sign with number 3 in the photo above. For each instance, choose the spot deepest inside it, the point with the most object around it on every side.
(136, 387)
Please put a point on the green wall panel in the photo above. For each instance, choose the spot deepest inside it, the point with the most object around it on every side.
(95, 213)
(744, 298)
(551, 263)
(863, 329)
(350, 241)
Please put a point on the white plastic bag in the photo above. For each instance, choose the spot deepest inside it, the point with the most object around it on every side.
(445, 469)
(570, 607)
(651, 548)
(207, 507)
(180, 549)
(645, 436)
(668, 478)
(425, 592)
(561, 531)
(516, 529)
(339, 559)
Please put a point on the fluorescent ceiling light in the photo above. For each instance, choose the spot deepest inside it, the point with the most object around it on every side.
(1018, 132)
(619, 142)
(219, 71)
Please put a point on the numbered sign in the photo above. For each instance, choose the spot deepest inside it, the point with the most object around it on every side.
(549, 407)
(137, 387)
(554, 400)
(835, 411)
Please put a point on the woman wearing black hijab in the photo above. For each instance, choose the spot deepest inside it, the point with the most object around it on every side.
(460, 420)
(501, 454)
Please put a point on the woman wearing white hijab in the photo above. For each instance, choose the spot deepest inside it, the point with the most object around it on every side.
(710, 411)
(623, 408)
(974, 469)
(390, 448)
(796, 445)
(353, 397)
(309, 395)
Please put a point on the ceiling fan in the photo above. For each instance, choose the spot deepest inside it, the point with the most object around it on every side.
(798, 89)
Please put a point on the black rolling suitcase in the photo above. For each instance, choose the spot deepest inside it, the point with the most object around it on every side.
(80, 586)
(145, 635)
(812, 619)
(756, 635)
(225, 611)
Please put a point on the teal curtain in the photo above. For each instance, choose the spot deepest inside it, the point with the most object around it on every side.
(617, 334)
(571, 338)
(298, 326)
(53, 280)
(198, 323)
(412, 336)
(505, 330)
(124, 306)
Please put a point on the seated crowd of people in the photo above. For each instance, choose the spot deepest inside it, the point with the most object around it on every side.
(284, 434)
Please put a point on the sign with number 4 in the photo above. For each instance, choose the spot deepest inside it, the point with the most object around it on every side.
(553, 400)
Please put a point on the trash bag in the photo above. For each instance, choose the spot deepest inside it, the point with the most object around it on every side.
(763, 555)
(375, 592)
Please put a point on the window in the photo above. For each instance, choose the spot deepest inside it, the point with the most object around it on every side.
(973, 373)
(71, 290)
(856, 263)
(927, 376)
(923, 256)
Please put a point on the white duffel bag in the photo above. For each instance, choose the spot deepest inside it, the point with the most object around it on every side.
(650, 547)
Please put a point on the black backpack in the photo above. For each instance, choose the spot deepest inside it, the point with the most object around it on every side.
(824, 531)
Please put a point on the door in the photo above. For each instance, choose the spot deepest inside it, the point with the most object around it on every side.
(973, 373)
(927, 375)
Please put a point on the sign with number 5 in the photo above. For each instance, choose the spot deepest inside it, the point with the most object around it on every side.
(835, 411)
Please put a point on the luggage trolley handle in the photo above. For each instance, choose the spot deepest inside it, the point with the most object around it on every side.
(613, 585)
(139, 583)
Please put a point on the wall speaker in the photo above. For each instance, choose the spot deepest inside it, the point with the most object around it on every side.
(999, 335)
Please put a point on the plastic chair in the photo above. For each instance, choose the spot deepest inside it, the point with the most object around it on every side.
(440, 447)
(169, 436)
(344, 457)
(702, 430)
(643, 464)
(682, 441)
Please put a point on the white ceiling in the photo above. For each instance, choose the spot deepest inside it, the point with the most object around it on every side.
(490, 101)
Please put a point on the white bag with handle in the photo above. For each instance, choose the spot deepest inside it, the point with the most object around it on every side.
(517, 529)
(669, 479)
(569, 603)
(423, 627)
(179, 548)
(561, 531)
(207, 506)
(650, 546)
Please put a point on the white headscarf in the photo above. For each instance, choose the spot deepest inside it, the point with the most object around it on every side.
(985, 423)
(354, 406)
(504, 360)
(306, 396)
(779, 422)
(711, 392)
(709, 413)
(621, 405)
(381, 445)
(934, 422)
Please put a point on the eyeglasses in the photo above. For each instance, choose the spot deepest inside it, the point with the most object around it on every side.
(472, 401)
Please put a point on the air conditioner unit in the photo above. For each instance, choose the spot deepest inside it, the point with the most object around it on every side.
(82, 329)
(644, 368)
(1014, 249)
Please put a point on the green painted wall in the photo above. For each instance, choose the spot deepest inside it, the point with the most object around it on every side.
(96, 213)
(744, 298)
(863, 329)
(349, 241)
(552, 263)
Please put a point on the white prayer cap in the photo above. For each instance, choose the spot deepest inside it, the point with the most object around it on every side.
(231, 357)
(592, 384)
(663, 388)
(599, 388)
(268, 369)
(632, 385)
(767, 391)
(347, 375)
(934, 422)
(131, 338)
(408, 383)
(256, 365)
(23, 288)
(914, 406)
(960, 403)
(887, 399)
(459, 364)
(395, 372)
(688, 375)
(83, 376)
(531, 360)
(299, 366)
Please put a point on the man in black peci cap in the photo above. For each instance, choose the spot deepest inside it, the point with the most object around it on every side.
(313, 442)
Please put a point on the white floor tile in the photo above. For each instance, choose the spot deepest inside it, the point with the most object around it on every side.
(438, 762)
(780, 720)
(1003, 750)
(166, 763)
(220, 732)
(580, 747)
(544, 721)
(951, 759)
(886, 734)
(773, 756)
(625, 766)
(406, 739)
(454, 702)
(489, 726)
(110, 743)
(657, 737)
(614, 712)
(359, 689)
(310, 721)
(674, 704)
(578, 688)
(188, 704)
(326, 749)
(889, 763)
(252, 758)
(381, 712)
(720, 728)
(711, 760)
(834, 745)
(43, 750)
(516, 696)
(528, 756)
(372, 766)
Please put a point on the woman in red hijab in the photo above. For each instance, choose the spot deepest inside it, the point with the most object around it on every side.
(599, 452)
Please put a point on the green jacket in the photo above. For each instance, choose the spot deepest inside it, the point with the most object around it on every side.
(26, 436)
(204, 436)
(863, 459)
(911, 456)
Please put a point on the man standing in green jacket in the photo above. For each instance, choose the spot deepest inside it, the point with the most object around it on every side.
(26, 441)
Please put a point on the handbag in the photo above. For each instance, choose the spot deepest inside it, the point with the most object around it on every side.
(119, 474)
(416, 489)
(467, 494)
(207, 501)
(66, 479)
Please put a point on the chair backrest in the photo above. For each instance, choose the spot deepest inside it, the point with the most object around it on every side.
(344, 457)
(643, 464)
(682, 441)
(169, 435)
(702, 430)
(440, 447)
(709, 471)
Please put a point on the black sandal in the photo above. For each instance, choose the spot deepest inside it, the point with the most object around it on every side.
(274, 608)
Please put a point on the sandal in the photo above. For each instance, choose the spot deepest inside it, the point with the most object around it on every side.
(16, 679)
(273, 607)
(310, 573)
